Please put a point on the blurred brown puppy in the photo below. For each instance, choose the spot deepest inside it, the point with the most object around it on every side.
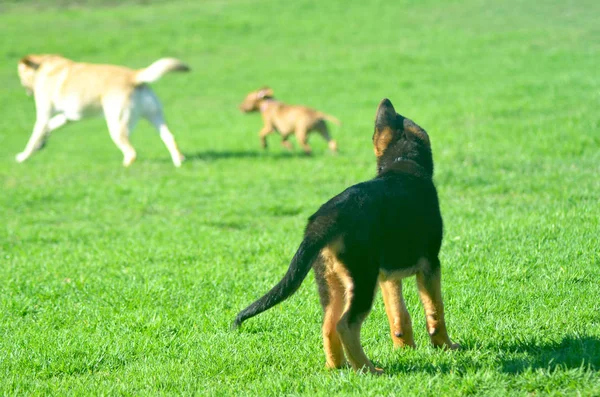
(287, 119)
(65, 91)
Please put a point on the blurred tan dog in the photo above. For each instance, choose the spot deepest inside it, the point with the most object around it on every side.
(65, 91)
(287, 119)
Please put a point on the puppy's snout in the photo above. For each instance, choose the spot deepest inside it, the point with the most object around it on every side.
(245, 107)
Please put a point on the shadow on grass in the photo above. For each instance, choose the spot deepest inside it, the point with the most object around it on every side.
(211, 155)
(570, 353)
(226, 225)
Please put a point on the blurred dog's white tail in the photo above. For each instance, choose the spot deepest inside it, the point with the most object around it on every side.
(158, 69)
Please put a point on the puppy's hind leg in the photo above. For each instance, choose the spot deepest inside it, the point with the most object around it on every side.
(152, 111)
(322, 129)
(285, 142)
(302, 137)
(395, 308)
(430, 291)
(359, 291)
(332, 297)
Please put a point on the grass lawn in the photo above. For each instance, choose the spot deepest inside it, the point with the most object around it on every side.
(125, 281)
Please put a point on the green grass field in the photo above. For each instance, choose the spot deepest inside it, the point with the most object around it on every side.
(125, 281)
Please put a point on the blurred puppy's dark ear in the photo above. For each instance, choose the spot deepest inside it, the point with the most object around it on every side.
(265, 92)
(30, 62)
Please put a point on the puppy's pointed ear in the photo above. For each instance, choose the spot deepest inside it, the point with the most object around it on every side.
(265, 92)
(410, 127)
(31, 61)
(385, 126)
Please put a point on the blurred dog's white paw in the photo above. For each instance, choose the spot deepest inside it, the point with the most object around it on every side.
(21, 157)
(178, 160)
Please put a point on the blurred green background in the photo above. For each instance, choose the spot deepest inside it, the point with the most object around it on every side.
(124, 281)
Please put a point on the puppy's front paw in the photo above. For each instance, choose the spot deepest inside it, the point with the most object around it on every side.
(21, 157)
(454, 346)
(448, 346)
(371, 370)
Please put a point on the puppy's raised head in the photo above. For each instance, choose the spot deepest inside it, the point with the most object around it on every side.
(398, 138)
(28, 66)
(252, 101)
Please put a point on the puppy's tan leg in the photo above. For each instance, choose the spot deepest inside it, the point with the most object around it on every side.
(398, 317)
(263, 133)
(359, 298)
(334, 352)
(430, 291)
(286, 143)
(322, 129)
(302, 137)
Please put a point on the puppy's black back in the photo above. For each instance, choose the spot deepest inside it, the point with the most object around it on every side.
(389, 222)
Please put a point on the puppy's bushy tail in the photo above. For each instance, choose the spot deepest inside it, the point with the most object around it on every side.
(158, 69)
(296, 273)
(331, 118)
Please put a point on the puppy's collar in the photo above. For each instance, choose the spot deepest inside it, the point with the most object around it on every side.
(265, 104)
(409, 166)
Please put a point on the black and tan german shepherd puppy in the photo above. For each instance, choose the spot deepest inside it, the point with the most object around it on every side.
(379, 231)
